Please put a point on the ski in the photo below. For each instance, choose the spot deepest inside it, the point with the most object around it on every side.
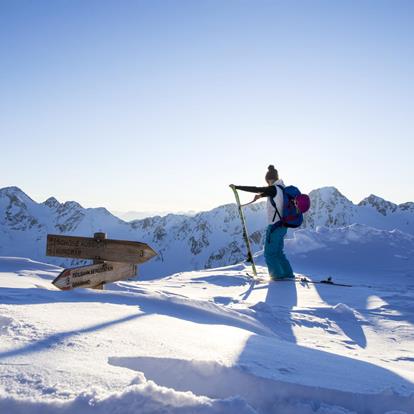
(305, 280)
(245, 234)
(327, 281)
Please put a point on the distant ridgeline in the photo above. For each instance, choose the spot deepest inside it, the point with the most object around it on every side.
(204, 240)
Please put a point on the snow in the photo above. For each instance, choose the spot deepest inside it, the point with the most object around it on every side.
(212, 341)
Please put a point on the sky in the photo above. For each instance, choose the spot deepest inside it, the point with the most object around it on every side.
(160, 105)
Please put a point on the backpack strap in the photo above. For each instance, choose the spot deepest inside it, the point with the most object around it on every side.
(280, 222)
(272, 202)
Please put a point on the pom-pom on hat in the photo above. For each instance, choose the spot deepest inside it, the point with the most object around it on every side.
(303, 202)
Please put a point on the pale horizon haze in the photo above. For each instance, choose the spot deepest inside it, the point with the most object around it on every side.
(160, 105)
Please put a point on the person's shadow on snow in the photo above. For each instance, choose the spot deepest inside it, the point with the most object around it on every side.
(276, 311)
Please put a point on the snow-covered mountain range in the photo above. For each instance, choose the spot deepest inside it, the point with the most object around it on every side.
(140, 215)
(205, 240)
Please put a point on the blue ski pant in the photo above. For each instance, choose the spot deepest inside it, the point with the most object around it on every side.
(276, 261)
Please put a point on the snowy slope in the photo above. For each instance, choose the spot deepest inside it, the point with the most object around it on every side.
(358, 249)
(211, 341)
(206, 240)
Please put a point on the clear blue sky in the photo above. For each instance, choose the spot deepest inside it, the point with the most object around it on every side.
(159, 105)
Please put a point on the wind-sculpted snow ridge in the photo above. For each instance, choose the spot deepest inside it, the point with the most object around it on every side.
(265, 395)
(205, 240)
(143, 397)
(211, 388)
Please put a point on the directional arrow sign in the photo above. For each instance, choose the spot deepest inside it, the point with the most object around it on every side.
(94, 275)
(98, 249)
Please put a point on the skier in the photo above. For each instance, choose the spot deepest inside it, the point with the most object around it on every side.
(276, 261)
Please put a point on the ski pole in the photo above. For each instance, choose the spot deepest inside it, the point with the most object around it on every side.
(245, 234)
(247, 204)
(254, 200)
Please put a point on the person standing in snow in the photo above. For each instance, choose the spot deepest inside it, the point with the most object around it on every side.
(276, 261)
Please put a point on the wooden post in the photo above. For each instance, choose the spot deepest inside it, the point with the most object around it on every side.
(98, 237)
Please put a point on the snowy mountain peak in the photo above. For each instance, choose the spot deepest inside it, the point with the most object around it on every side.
(409, 206)
(71, 205)
(15, 194)
(11, 189)
(329, 208)
(102, 211)
(16, 206)
(382, 206)
(52, 202)
(328, 194)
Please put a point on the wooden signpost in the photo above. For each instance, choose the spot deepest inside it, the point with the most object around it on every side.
(112, 259)
(98, 249)
(94, 275)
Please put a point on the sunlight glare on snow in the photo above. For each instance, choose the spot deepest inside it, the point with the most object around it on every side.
(375, 302)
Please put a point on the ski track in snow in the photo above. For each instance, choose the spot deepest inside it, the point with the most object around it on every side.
(208, 341)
